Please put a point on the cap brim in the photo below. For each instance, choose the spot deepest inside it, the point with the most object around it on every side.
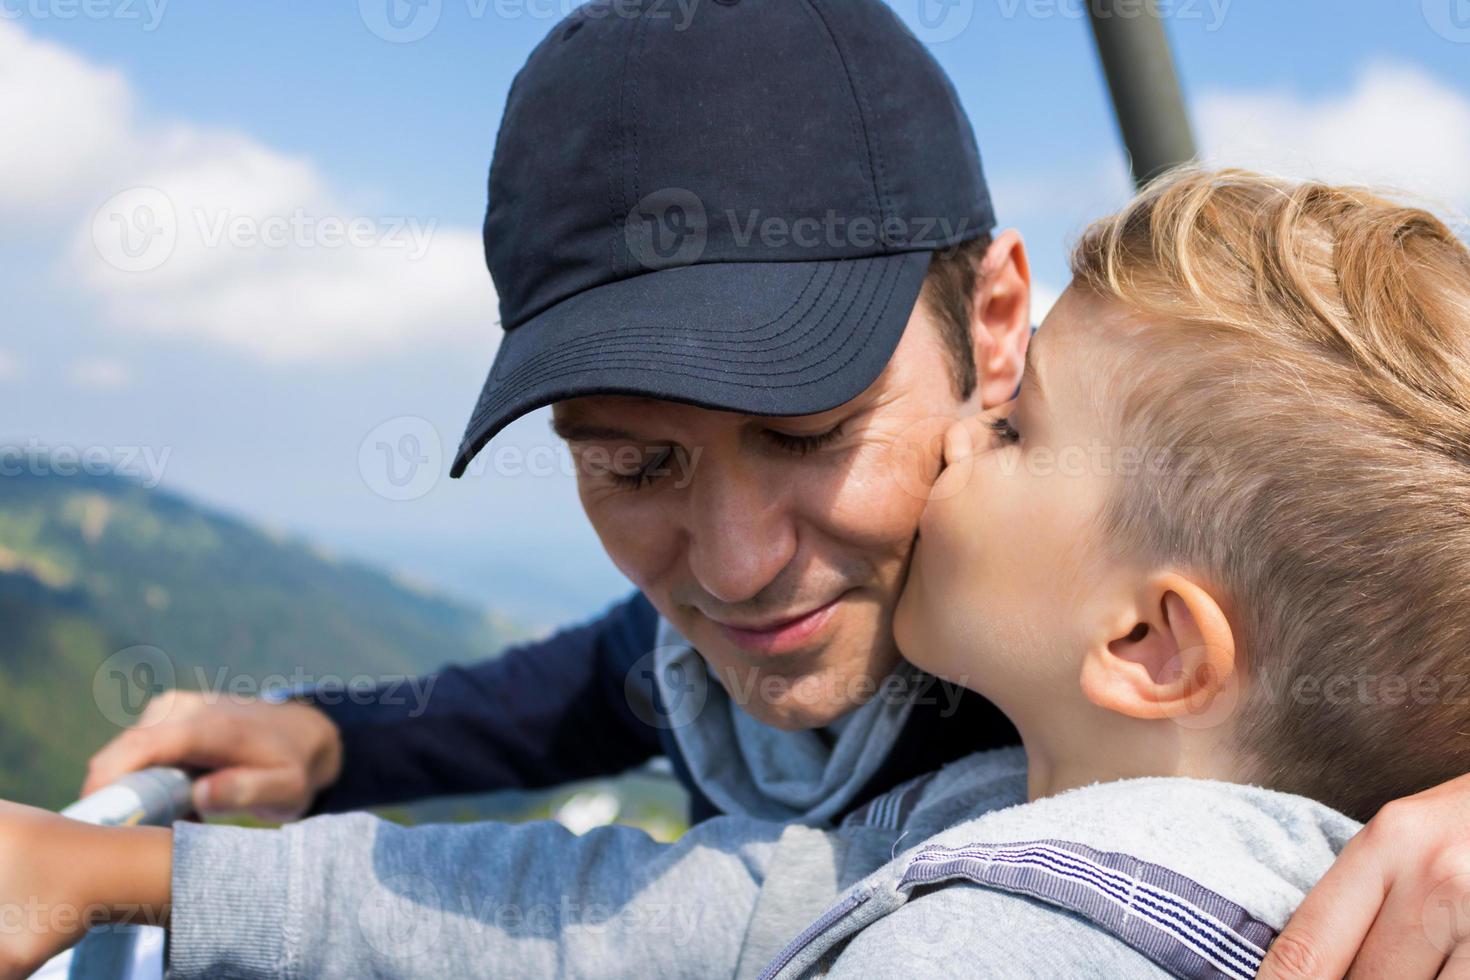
(761, 338)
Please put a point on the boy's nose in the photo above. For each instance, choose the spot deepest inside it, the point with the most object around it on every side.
(959, 442)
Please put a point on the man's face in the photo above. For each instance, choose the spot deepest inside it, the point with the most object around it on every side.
(777, 546)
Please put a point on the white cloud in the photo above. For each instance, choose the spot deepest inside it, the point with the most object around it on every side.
(100, 374)
(207, 234)
(1396, 127)
(10, 366)
(64, 121)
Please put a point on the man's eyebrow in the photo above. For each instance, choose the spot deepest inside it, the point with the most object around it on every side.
(573, 430)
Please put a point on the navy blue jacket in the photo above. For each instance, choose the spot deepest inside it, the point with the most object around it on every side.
(562, 709)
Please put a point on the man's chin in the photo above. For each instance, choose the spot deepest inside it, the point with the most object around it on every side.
(789, 699)
(804, 689)
(790, 715)
(813, 700)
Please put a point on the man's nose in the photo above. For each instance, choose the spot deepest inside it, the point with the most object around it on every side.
(741, 531)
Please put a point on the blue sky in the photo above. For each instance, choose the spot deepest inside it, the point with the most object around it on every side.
(277, 379)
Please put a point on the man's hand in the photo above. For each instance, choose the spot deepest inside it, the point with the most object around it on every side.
(59, 877)
(270, 759)
(1395, 904)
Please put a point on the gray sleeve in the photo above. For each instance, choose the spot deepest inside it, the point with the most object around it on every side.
(967, 931)
(355, 896)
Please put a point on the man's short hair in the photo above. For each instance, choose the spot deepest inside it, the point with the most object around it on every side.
(1298, 384)
(949, 290)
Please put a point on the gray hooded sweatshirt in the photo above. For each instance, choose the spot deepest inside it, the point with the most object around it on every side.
(951, 874)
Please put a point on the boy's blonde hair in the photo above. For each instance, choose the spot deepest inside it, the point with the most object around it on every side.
(1300, 376)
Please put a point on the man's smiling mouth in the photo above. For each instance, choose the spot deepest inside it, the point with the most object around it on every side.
(781, 634)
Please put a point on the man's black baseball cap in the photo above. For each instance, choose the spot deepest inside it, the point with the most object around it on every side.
(730, 203)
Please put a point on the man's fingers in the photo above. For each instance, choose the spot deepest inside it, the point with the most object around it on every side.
(171, 705)
(279, 792)
(120, 756)
(1398, 943)
(124, 754)
(1446, 916)
(134, 749)
(1331, 923)
(229, 790)
(170, 743)
(1426, 914)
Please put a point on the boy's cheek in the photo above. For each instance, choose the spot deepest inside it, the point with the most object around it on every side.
(954, 495)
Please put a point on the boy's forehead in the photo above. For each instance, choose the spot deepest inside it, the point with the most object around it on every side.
(1089, 353)
(1080, 324)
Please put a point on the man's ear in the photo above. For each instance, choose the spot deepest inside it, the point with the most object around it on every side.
(1169, 654)
(1000, 318)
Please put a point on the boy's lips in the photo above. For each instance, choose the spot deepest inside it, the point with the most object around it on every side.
(782, 635)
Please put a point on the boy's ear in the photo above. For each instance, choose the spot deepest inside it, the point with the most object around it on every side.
(1169, 654)
(1000, 318)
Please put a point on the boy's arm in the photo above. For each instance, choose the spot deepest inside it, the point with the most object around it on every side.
(355, 896)
(58, 877)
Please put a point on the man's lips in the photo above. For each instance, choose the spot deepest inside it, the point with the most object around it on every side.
(779, 635)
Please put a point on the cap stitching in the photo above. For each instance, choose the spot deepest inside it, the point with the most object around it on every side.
(773, 321)
(886, 293)
(539, 369)
(639, 44)
(617, 188)
(464, 456)
(862, 131)
(559, 361)
(744, 331)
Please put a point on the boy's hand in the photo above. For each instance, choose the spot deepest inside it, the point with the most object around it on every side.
(271, 759)
(59, 877)
(1395, 904)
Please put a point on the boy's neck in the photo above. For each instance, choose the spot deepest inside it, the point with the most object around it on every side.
(1069, 756)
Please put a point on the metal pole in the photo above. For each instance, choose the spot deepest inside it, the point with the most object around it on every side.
(1140, 70)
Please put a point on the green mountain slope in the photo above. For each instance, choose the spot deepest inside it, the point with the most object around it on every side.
(90, 566)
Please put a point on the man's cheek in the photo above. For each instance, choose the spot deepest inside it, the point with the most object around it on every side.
(642, 550)
(907, 463)
(872, 511)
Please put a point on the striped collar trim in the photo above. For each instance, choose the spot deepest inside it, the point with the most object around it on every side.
(1176, 922)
